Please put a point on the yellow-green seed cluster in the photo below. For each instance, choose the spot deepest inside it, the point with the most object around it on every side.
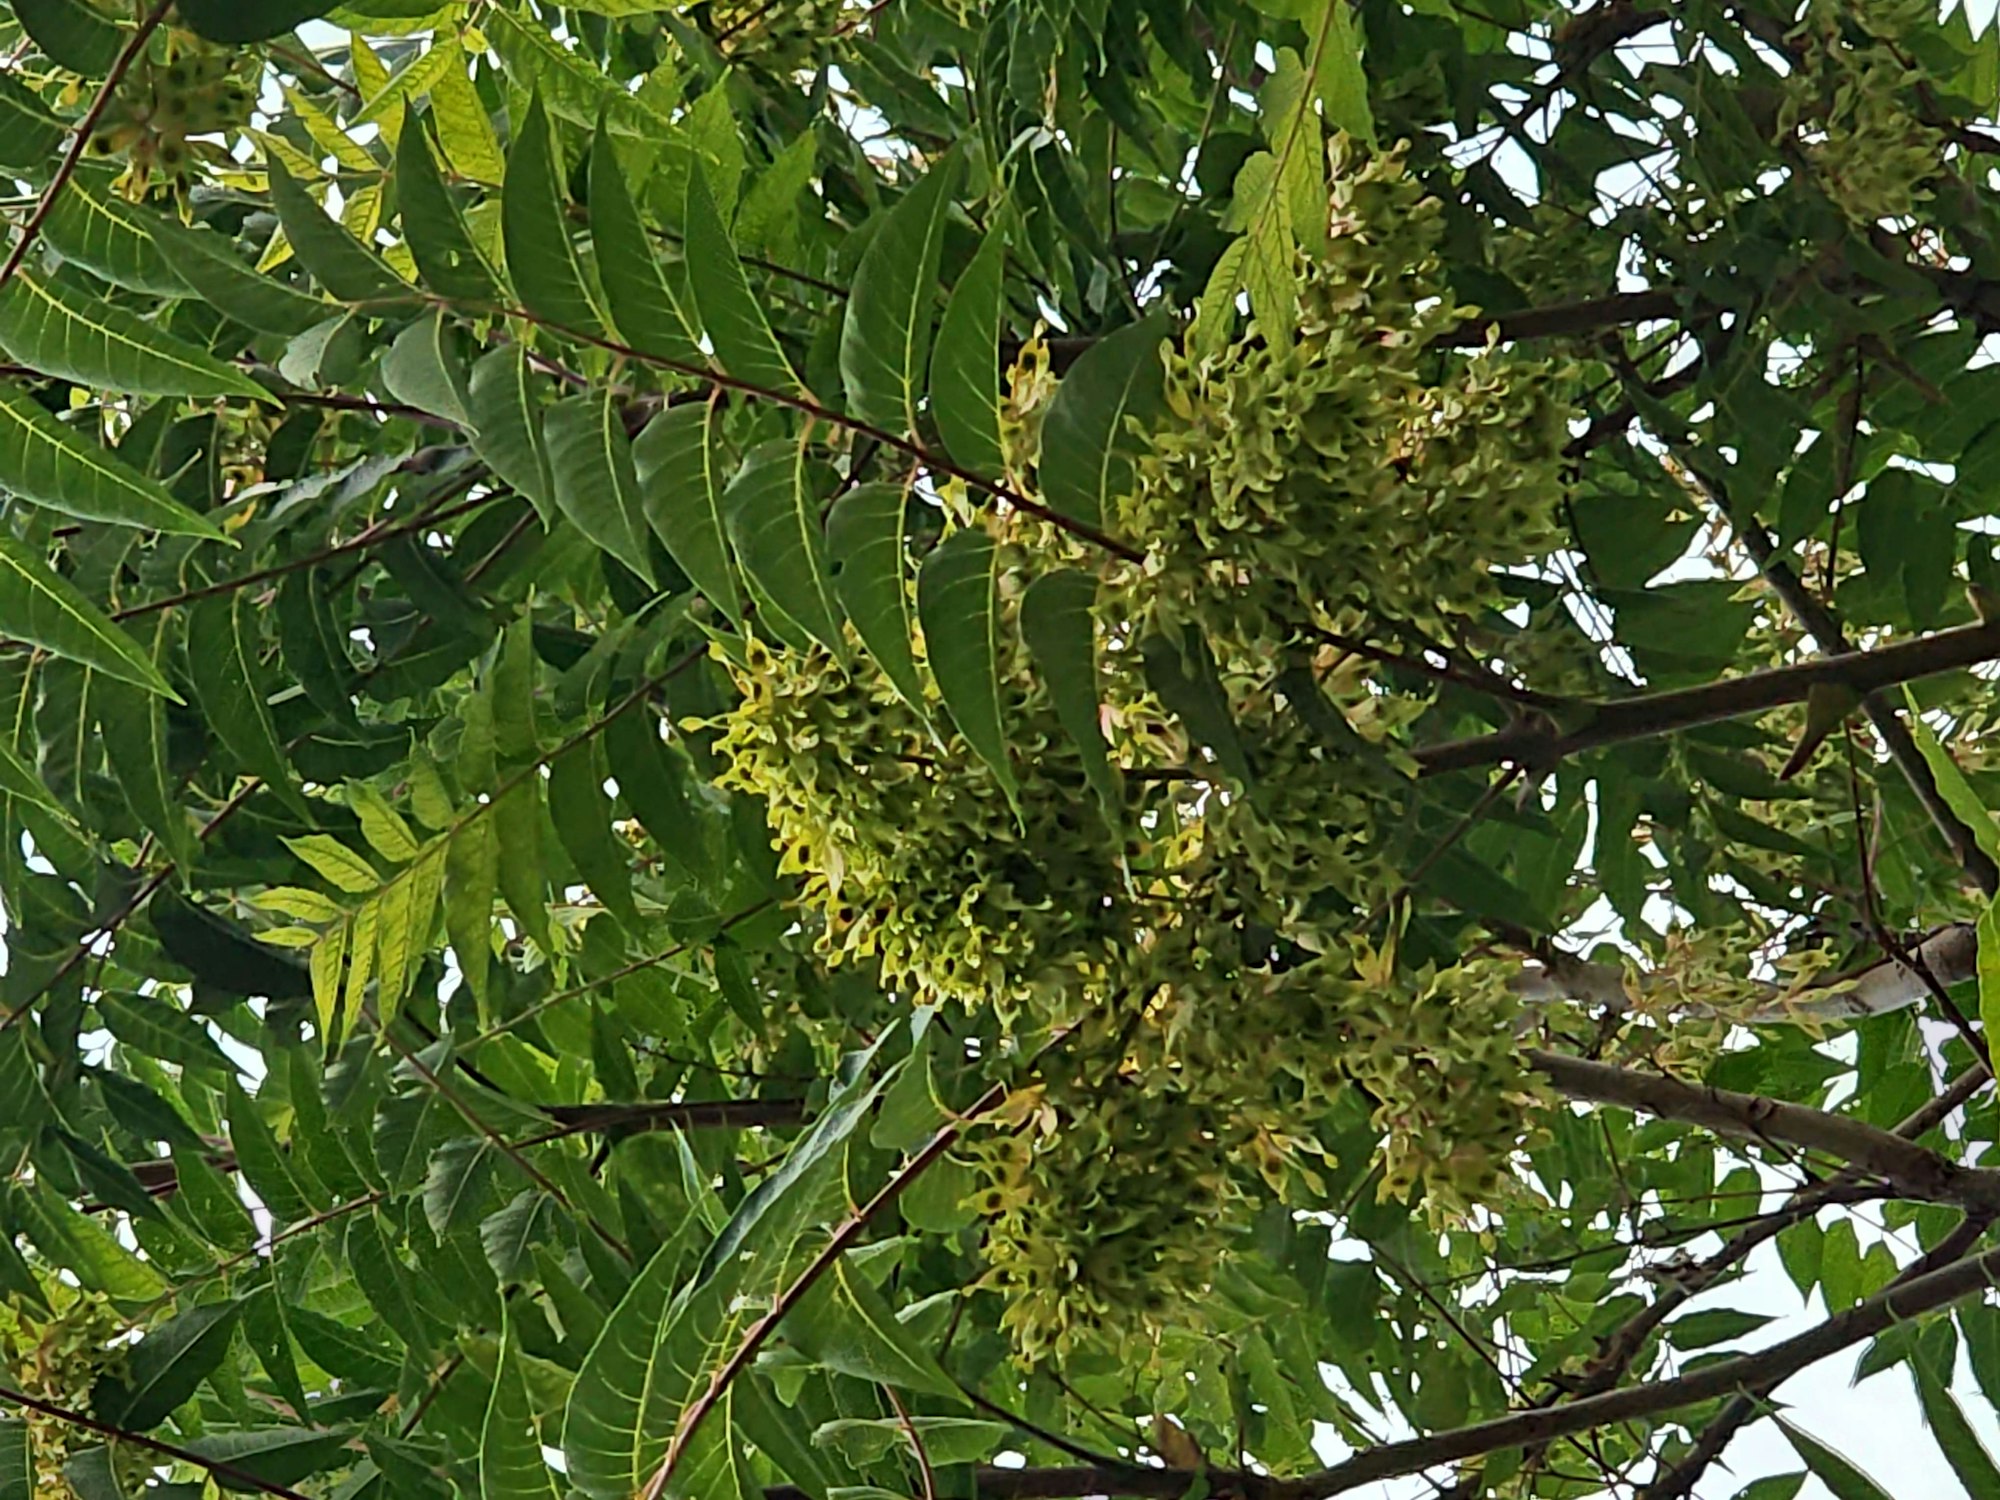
(1202, 969)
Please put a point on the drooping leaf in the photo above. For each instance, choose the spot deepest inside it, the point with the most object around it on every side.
(448, 259)
(845, 1324)
(736, 327)
(506, 416)
(275, 1455)
(1183, 674)
(511, 1466)
(54, 465)
(471, 881)
(1057, 625)
(1968, 1456)
(91, 225)
(40, 606)
(423, 369)
(648, 315)
(886, 338)
(965, 367)
(960, 613)
(582, 814)
(1951, 783)
(153, 1025)
(773, 512)
(349, 270)
(29, 134)
(1836, 1473)
(51, 327)
(134, 726)
(204, 261)
(596, 484)
(541, 257)
(1087, 441)
(223, 644)
(675, 459)
(871, 575)
(166, 1366)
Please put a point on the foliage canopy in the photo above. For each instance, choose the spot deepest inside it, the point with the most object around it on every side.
(772, 747)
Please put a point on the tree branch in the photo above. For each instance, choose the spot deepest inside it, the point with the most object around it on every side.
(1914, 1171)
(1744, 1405)
(1892, 1305)
(1538, 743)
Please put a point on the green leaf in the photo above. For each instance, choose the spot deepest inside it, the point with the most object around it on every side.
(1088, 444)
(55, 329)
(423, 369)
(465, 130)
(1968, 1457)
(17, 1461)
(41, 607)
(406, 918)
(134, 726)
(72, 33)
(262, 1161)
(506, 412)
(80, 1245)
(223, 644)
(655, 780)
(208, 263)
(517, 825)
(164, 1368)
(471, 881)
(1057, 625)
(1183, 674)
(230, 21)
(596, 485)
(335, 863)
(109, 237)
(29, 134)
(581, 811)
(871, 576)
(154, 1026)
(1951, 783)
(1836, 1473)
(511, 1466)
(886, 338)
(675, 458)
(743, 342)
(275, 1455)
(844, 1324)
(534, 224)
(55, 466)
(327, 966)
(960, 610)
(448, 259)
(348, 269)
(649, 316)
(965, 367)
(946, 1440)
(773, 509)
(1989, 969)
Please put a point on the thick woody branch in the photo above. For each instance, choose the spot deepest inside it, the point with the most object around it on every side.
(1742, 1408)
(1913, 1171)
(1538, 743)
(1864, 1320)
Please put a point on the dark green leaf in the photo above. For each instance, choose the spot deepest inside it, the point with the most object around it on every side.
(91, 225)
(773, 510)
(349, 270)
(965, 368)
(207, 263)
(506, 412)
(742, 338)
(534, 221)
(223, 645)
(1088, 443)
(41, 607)
(448, 260)
(960, 611)
(57, 467)
(51, 327)
(164, 1368)
(72, 32)
(596, 485)
(886, 338)
(649, 316)
(1057, 624)
(680, 490)
(871, 576)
